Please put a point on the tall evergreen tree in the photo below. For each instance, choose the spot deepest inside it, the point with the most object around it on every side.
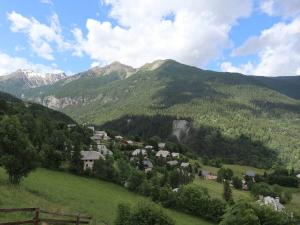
(227, 193)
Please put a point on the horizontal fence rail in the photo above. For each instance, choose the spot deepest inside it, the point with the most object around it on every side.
(71, 218)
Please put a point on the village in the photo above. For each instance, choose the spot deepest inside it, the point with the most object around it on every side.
(147, 157)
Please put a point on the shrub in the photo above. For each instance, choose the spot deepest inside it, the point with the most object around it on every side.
(245, 213)
(142, 214)
(224, 174)
(196, 201)
(262, 189)
(237, 183)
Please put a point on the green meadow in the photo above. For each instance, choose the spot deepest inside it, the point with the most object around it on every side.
(60, 191)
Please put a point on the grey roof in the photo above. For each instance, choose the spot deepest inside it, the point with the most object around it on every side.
(161, 145)
(136, 152)
(175, 154)
(205, 173)
(250, 173)
(101, 147)
(184, 164)
(148, 163)
(100, 132)
(163, 153)
(148, 146)
(91, 155)
(173, 163)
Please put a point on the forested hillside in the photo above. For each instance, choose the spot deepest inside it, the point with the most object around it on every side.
(33, 135)
(259, 110)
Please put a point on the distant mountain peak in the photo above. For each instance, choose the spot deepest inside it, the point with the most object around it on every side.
(157, 63)
(31, 73)
(26, 78)
(116, 68)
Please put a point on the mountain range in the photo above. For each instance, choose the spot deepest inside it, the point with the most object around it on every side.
(23, 79)
(265, 109)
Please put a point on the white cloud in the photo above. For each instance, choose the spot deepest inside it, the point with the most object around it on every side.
(278, 50)
(48, 2)
(19, 48)
(40, 36)
(285, 8)
(198, 33)
(10, 64)
(244, 69)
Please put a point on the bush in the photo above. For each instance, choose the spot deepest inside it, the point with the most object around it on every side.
(237, 183)
(136, 178)
(287, 181)
(142, 214)
(196, 201)
(104, 169)
(224, 174)
(262, 189)
(245, 213)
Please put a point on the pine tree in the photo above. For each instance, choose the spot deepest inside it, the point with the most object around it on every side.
(227, 192)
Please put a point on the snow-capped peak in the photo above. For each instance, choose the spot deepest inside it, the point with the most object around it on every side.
(32, 78)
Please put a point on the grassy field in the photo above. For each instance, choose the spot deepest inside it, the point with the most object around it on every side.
(294, 205)
(215, 189)
(238, 170)
(59, 191)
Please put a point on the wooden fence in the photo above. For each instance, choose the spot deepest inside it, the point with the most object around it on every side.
(38, 217)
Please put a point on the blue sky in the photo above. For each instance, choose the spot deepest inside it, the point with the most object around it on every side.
(248, 36)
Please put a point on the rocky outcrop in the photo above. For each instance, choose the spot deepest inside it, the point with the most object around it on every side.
(59, 103)
(181, 129)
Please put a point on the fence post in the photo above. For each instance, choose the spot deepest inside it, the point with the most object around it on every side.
(78, 219)
(37, 216)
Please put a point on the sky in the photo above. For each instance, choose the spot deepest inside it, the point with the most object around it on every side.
(253, 37)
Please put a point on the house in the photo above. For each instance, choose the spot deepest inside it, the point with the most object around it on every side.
(185, 164)
(92, 128)
(162, 153)
(244, 185)
(270, 201)
(119, 137)
(147, 165)
(102, 134)
(104, 150)
(97, 139)
(175, 190)
(175, 155)
(89, 157)
(148, 147)
(137, 152)
(72, 125)
(129, 142)
(161, 145)
(208, 175)
(172, 163)
(250, 173)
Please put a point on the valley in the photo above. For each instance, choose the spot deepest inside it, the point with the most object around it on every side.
(263, 109)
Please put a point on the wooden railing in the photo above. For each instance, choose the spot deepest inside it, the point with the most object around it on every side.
(37, 219)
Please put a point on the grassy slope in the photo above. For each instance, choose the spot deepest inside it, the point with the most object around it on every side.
(64, 192)
(215, 189)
